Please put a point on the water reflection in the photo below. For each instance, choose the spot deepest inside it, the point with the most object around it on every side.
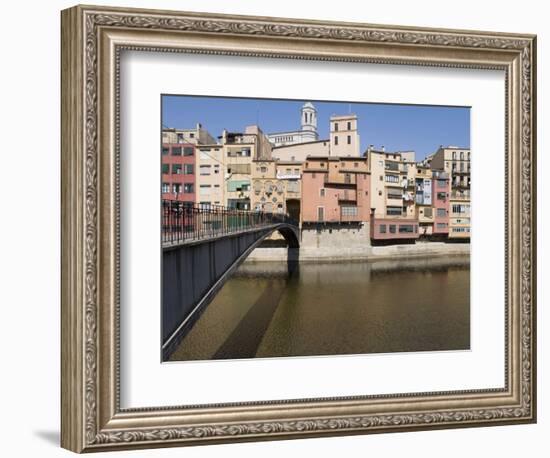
(271, 309)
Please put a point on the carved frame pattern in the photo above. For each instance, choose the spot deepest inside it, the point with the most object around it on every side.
(82, 398)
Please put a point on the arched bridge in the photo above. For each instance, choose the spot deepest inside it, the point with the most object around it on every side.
(201, 247)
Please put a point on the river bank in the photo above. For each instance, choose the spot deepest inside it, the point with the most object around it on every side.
(339, 253)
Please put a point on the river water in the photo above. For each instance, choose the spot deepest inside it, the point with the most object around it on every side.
(275, 309)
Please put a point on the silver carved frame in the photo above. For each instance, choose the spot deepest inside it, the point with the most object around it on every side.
(92, 40)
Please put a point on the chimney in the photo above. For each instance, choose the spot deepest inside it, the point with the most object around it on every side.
(383, 149)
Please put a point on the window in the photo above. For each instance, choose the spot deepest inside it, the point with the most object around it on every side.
(188, 188)
(441, 183)
(320, 214)
(293, 186)
(263, 169)
(165, 188)
(322, 192)
(454, 155)
(176, 151)
(442, 195)
(392, 228)
(180, 138)
(336, 126)
(461, 209)
(382, 228)
(393, 211)
(379, 193)
(392, 179)
(394, 194)
(204, 189)
(188, 169)
(356, 164)
(461, 229)
(191, 135)
(165, 168)
(428, 213)
(205, 170)
(349, 139)
(188, 151)
(205, 154)
(336, 139)
(165, 150)
(349, 211)
(462, 155)
(381, 178)
(176, 188)
(176, 168)
(441, 212)
(406, 228)
(441, 226)
(349, 125)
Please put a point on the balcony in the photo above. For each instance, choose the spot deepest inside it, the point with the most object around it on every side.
(347, 195)
(340, 180)
(465, 195)
(288, 175)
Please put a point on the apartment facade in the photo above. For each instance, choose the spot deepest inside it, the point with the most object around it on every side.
(238, 151)
(393, 178)
(455, 161)
(196, 136)
(210, 174)
(178, 172)
(335, 190)
(441, 203)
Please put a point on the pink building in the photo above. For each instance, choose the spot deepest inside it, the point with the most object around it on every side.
(335, 190)
(178, 172)
(441, 193)
(388, 229)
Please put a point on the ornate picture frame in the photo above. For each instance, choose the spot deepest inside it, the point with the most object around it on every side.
(93, 39)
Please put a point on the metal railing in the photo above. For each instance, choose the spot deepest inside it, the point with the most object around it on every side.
(189, 221)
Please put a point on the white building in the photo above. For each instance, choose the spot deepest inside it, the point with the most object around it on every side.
(308, 132)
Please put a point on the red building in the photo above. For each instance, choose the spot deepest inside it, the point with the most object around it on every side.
(441, 193)
(178, 172)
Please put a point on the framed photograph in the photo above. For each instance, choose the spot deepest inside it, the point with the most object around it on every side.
(279, 228)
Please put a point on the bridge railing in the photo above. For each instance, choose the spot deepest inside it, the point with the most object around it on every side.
(188, 221)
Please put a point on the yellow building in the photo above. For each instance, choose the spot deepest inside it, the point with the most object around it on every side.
(210, 175)
(344, 137)
(456, 162)
(276, 187)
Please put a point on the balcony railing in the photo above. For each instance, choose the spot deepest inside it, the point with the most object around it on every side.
(187, 221)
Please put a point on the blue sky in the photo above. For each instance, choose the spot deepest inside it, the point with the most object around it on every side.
(397, 127)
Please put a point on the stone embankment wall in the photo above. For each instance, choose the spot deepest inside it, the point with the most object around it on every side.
(354, 243)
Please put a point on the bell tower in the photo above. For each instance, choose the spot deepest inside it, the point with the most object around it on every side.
(309, 118)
